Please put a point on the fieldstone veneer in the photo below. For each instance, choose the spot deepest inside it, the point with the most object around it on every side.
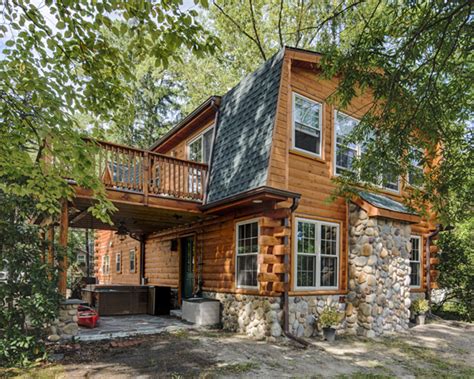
(379, 274)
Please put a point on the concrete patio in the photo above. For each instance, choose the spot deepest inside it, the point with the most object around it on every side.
(110, 327)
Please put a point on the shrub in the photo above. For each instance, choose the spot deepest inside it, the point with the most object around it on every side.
(420, 306)
(28, 297)
(329, 317)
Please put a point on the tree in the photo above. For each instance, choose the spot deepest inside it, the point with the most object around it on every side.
(413, 58)
(57, 66)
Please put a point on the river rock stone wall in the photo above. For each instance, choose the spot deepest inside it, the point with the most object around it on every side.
(65, 326)
(256, 316)
(379, 274)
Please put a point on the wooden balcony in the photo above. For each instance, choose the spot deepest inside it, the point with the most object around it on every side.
(151, 191)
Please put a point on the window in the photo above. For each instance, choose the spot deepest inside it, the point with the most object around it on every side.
(199, 149)
(317, 254)
(415, 261)
(81, 259)
(346, 152)
(415, 171)
(247, 253)
(106, 265)
(307, 121)
(118, 262)
(132, 260)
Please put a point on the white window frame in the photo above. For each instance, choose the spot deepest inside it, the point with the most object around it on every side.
(106, 265)
(237, 224)
(293, 126)
(132, 251)
(318, 255)
(200, 135)
(81, 259)
(358, 154)
(417, 167)
(118, 262)
(419, 261)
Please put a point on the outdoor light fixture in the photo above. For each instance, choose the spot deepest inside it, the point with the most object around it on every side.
(257, 201)
(122, 231)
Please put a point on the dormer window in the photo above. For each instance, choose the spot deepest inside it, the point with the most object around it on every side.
(307, 125)
(199, 149)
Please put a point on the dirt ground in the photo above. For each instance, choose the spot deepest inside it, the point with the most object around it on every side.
(439, 349)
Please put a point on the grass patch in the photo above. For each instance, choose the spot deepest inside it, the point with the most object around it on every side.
(40, 372)
(235, 368)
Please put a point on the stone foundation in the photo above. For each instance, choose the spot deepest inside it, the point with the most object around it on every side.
(379, 272)
(65, 327)
(304, 312)
(256, 316)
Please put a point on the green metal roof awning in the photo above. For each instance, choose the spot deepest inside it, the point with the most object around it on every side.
(385, 202)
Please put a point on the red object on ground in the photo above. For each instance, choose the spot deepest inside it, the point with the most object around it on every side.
(87, 316)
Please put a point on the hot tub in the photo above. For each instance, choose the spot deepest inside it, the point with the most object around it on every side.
(112, 300)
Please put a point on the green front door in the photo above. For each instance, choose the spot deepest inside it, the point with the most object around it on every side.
(187, 269)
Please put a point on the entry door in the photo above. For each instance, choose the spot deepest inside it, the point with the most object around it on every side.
(187, 269)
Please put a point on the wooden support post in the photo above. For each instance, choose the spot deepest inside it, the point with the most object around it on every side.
(63, 237)
(51, 246)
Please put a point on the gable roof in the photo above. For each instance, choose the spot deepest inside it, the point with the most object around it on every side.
(243, 136)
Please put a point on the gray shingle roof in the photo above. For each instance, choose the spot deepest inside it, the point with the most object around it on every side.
(241, 150)
(384, 202)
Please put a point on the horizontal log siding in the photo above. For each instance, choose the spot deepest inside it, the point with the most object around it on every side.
(311, 176)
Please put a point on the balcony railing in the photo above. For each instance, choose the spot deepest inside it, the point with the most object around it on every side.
(129, 169)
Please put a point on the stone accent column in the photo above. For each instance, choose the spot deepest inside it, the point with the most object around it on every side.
(65, 327)
(379, 272)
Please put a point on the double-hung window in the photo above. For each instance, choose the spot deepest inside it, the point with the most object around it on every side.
(106, 265)
(346, 152)
(307, 125)
(415, 261)
(131, 258)
(415, 171)
(118, 262)
(317, 254)
(247, 233)
(199, 149)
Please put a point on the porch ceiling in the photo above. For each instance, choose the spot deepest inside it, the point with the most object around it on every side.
(136, 217)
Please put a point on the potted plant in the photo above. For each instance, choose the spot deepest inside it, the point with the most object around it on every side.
(420, 307)
(328, 319)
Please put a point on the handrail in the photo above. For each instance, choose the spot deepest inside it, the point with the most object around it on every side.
(152, 174)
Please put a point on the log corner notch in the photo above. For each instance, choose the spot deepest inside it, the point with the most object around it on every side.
(63, 241)
(274, 232)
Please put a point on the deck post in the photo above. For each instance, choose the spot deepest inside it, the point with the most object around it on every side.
(50, 246)
(63, 239)
(146, 175)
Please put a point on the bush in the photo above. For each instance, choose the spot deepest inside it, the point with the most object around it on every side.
(329, 317)
(420, 306)
(29, 299)
(456, 270)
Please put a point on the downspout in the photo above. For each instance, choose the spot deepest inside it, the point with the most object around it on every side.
(142, 239)
(286, 276)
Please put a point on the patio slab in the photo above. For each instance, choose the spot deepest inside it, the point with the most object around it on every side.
(111, 327)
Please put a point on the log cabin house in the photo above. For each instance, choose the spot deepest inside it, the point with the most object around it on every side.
(231, 204)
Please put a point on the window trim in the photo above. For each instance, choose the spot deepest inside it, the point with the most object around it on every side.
(195, 138)
(236, 236)
(293, 128)
(420, 260)
(118, 260)
(106, 265)
(318, 223)
(134, 261)
(358, 154)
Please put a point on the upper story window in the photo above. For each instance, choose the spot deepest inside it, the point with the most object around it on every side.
(317, 254)
(106, 265)
(247, 253)
(415, 261)
(307, 125)
(415, 171)
(345, 152)
(199, 149)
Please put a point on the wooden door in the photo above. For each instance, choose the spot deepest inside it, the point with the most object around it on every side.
(187, 269)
